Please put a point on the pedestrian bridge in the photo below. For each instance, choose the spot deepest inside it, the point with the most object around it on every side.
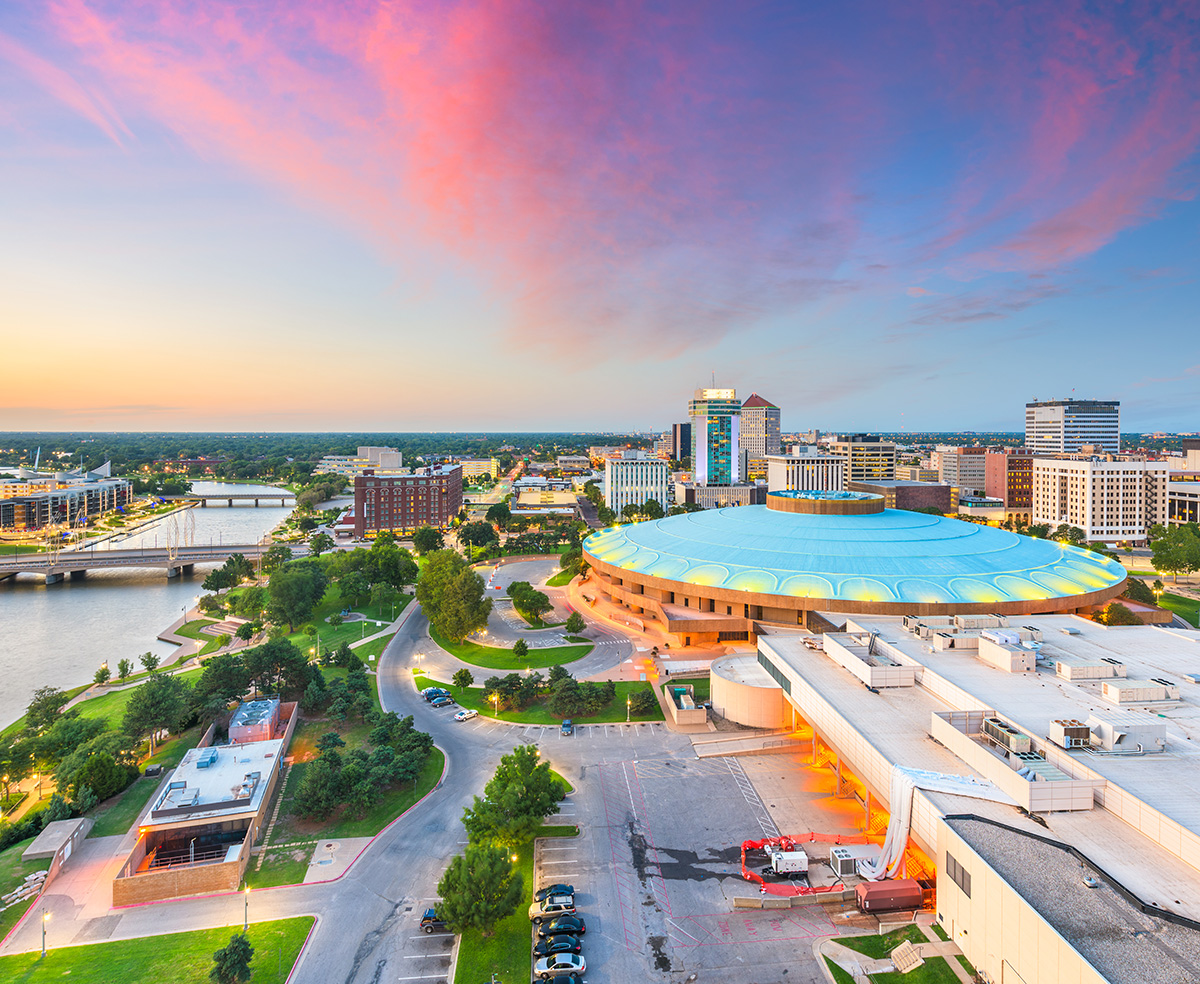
(175, 560)
(283, 497)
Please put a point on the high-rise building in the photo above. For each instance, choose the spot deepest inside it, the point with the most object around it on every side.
(864, 457)
(961, 468)
(681, 441)
(634, 478)
(716, 436)
(805, 468)
(759, 434)
(1112, 501)
(402, 503)
(1008, 476)
(1065, 426)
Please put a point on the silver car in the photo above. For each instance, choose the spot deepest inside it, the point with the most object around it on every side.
(559, 963)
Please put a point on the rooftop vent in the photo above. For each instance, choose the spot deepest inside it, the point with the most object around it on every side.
(207, 758)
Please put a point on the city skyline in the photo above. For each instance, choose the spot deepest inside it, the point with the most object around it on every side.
(502, 217)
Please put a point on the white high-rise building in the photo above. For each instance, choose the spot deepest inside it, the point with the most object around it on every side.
(634, 478)
(1111, 501)
(759, 434)
(805, 468)
(1066, 426)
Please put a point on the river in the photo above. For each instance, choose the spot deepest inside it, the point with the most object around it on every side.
(59, 634)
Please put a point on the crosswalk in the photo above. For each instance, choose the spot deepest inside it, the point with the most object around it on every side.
(535, 734)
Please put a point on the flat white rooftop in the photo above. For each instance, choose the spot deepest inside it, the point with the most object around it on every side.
(1168, 781)
(225, 787)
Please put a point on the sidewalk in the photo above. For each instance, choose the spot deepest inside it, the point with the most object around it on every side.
(861, 967)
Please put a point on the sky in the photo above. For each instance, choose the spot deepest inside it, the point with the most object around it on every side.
(489, 215)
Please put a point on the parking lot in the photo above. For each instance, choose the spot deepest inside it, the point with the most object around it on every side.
(657, 865)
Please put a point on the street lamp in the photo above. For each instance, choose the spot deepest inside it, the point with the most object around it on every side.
(628, 708)
(45, 916)
(246, 920)
(496, 704)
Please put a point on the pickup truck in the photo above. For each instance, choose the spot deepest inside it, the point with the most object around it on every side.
(432, 923)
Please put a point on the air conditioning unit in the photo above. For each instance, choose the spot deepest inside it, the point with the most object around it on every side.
(1069, 733)
(843, 862)
(1005, 736)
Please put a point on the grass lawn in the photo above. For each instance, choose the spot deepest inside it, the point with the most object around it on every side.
(508, 952)
(474, 697)
(373, 648)
(935, 970)
(840, 976)
(179, 958)
(283, 866)
(12, 873)
(1189, 608)
(537, 623)
(111, 706)
(940, 933)
(118, 814)
(495, 658)
(878, 947)
(560, 580)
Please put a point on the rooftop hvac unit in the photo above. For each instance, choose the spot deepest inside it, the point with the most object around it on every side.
(1109, 659)
(207, 758)
(1069, 733)
(1069, 630)
(842, 862)
(1005, 736)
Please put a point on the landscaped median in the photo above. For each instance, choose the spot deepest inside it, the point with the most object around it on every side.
(507, 953)
(496, 658)
(475, 698)
(179, 958)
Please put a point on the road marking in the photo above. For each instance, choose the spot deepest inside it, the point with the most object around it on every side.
(545, 848)
(431, 936)
(425, 977)
(568, 861)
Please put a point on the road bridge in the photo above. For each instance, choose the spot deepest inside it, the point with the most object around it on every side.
(175, 560)
(205, 499)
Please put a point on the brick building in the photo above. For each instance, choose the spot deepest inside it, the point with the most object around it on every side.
(899, 494)
(403, 503)
(1008, 475)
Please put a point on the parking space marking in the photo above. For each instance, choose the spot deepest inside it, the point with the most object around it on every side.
(750, 795)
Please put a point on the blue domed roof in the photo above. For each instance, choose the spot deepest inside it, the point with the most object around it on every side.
(893, 556)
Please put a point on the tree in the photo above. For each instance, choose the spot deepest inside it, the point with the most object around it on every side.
(452, 595)
(1175, 550)
(642, 702)
(630, 512)
(295, 592)
(1066, 533)
(223, 640)
(606, 516)
(318, 543)
(103, 775)
(124, 668)
(320, 789)
(652, 509)
(246, 631)
(231, 964)
(499, 513)
(354, 587)
(1137, 590)
(575, 623)
(149, 662)
(463, 678)
(427, 540)
(477, 534)
(383, 595)
(277, 554)
(1117, 614)
(521, 794)
(217, 580)
(280, 667)
(520, 649)
(225, 678)
(479, 889)
(159, 704)
(44, 709)
(103, 675)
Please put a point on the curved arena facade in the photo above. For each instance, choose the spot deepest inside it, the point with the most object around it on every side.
(714, 575)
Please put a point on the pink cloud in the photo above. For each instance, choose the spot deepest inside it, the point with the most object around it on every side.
(89, 104)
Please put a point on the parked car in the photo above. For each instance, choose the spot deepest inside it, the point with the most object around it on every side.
(559, 963)
(432, 923)
(441, 701)
(559, 889)
(557, 944)
(568, 726)
(551, 906)
(433, 693)
(562, 925)
(466, 715)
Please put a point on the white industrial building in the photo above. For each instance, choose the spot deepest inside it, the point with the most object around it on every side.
(634, 478)
(805, 468)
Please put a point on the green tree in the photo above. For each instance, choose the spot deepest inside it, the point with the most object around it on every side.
(630, 512)
(276, 555)
(103, 675)
(652, 509)
(103, 775)
(383, 596)
(231, 963)
(464, 608)
(246, 631)
(223, 640)
(124, 668)
(477, 534)
(218, 580)
(478, 889)
(318, 543)
(499, 513)
(320, 789)
(642, 702)
(1137, 590)
(516, 800)
(575, 623)
(159, 704)
(44, 709)
(149, 662)
(463, 678)
(280, 667)
(427, 540)
(520, 649)
(354, 587)
(295, 592)
(225, 678)
(1066, 533)
(1117, 614)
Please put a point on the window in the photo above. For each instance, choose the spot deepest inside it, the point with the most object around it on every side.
(958, 874)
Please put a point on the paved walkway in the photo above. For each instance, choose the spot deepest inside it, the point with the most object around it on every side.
(861, 967)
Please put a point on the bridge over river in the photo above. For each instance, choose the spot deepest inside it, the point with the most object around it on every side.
(229, 499)
(175, 560)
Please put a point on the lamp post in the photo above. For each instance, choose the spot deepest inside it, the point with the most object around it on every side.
(496, 704)
(45, 917)
(246, 919)
(628, 708)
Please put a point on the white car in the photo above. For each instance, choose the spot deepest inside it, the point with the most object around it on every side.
(559, 963)
(465, 715)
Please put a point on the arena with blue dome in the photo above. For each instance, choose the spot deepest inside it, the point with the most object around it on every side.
(709, 576)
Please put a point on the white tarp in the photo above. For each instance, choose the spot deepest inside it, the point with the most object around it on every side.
(904, 782)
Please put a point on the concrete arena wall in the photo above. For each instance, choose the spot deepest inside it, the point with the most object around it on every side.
(754, 707)
(655, 589)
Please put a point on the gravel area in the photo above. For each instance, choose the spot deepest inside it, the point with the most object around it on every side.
(1122, 943)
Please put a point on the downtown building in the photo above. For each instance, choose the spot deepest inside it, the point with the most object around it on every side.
(1113, 500)
(716, 419)
(36, 503)
(634, 478)
(378, 459)
(759, 435)
(865, 458)
(1067, 426)
(961, 468)
(805, 467)
(1008, 476)
(402, 504)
